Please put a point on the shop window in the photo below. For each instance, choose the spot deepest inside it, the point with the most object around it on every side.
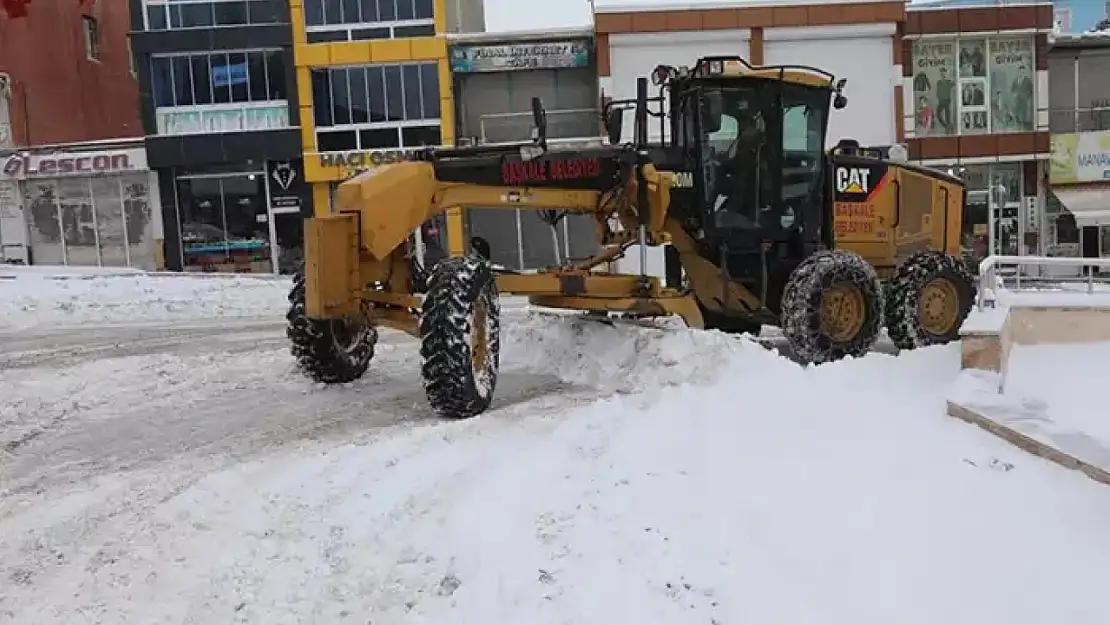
(175, 14)
(224, 223)
(357, 20)
(102, 221)
(973, 86)
(991, 190)
(378, 106)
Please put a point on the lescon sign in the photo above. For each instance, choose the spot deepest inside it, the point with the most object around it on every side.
(31, 165)
(355, 162)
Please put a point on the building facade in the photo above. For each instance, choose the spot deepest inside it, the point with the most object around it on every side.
(374, 84)
(73, 190)
(86, 204)
(219, 109)
(857, 41)
(975, 91)
(495, 76)
(1078, 207)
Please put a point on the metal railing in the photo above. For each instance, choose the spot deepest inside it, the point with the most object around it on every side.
(1033, 273)
(561, 123)
(1079, 120)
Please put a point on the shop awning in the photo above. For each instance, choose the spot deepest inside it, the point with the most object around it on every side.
(1090, 205)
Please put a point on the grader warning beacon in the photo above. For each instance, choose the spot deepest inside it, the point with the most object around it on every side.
(767, 226)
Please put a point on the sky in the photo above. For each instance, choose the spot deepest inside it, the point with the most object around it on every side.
(504, 15)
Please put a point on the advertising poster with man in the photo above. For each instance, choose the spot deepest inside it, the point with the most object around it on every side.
(934, 88)
(1011, 84)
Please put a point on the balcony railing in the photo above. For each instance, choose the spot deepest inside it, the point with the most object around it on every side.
(1079, 120)
(561, 123)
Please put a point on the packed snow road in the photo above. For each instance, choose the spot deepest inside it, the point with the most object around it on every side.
(184, 473)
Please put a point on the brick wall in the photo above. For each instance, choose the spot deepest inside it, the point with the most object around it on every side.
(58, 94)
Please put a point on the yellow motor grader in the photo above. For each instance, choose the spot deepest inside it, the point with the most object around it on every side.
(765, 224)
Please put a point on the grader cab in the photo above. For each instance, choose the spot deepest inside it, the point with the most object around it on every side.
(765, 224)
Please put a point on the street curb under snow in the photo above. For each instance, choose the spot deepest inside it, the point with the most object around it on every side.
(80, 273)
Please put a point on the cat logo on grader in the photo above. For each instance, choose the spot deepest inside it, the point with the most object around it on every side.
(853, 180)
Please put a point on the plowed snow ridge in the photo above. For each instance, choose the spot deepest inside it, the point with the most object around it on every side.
(723, 484)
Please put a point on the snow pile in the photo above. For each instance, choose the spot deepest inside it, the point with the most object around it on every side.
(618, 356)
(67, 298)
(782, 494)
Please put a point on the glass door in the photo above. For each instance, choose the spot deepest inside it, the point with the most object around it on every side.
(1005, 199)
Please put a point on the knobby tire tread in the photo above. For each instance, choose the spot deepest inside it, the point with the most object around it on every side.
(314, 348)
(454, 286)
(903, 295)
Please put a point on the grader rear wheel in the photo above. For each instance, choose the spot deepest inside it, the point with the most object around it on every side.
(928, 300)
(831, 307)
(460, 334)
(328, 351)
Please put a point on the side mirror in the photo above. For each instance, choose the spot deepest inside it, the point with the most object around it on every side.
(614, 123)
(539, 122)
(839, 102)
(712, 110)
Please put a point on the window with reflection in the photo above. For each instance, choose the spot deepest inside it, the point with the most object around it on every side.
(376, 107)
(360, 20)
(220, 91)
(973, 85)
(218, 78)
(174, 14)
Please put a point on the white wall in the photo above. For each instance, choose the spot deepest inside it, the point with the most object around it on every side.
(861, 53)
(635, 55)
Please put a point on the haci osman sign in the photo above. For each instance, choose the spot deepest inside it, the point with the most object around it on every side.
(355, 162)
(58, 164)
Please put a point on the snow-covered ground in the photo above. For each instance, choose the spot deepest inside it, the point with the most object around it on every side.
(36, 297)
(182, 472)
(1059, 377)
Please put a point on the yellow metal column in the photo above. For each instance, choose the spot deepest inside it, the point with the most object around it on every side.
(321, 198)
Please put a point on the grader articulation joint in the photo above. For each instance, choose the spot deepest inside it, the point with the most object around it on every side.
(765, 225)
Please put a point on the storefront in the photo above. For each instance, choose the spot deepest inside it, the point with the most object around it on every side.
(999, 218)
(81, 205)
(1079, 202)
(241, 218)
(975, 103)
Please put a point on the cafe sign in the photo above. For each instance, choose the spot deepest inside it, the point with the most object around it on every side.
(25, 165)
(539, 55)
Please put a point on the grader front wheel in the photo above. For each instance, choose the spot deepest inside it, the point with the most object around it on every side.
(831, 307)
(328, 351)
(928, 300)
(460, 334)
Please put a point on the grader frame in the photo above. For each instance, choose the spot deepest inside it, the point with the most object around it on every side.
(359, 269)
